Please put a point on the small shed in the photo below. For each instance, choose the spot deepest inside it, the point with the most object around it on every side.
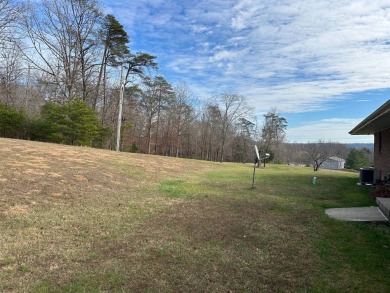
(333, 163)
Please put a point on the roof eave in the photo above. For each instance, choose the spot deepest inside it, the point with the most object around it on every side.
(374, 122)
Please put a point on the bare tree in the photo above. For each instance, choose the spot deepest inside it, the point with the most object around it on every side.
(10, 11)
(318, 152)
(156, 96)
(10, 62)
(61, 35)
(211, 121)
(233, 107)
(296, 154)
(10, 74)
(182, 111)
(87, 15)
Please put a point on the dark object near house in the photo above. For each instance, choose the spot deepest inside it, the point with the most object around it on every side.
(382, 189)
(366, 176)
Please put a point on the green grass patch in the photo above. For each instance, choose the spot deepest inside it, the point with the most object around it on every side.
(174, 188)
(106, 282)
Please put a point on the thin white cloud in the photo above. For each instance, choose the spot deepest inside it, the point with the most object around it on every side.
(199, 28)
(335, 129)
(223, 56)
(246, 11)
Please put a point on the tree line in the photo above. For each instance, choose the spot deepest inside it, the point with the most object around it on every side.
(68, 75)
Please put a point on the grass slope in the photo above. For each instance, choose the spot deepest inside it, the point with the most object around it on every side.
(85, 220)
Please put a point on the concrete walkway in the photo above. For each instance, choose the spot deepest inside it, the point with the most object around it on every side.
(384, 206)
(380, 214)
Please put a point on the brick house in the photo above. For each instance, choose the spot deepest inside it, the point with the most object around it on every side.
(378, 123)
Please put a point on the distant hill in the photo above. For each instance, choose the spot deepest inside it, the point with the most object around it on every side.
(369, 146)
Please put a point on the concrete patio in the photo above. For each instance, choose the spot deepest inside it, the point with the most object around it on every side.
(379, 214)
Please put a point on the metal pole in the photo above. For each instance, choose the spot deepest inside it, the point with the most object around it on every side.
(254, 172)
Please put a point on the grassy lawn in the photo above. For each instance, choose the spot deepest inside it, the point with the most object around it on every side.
(85, 220)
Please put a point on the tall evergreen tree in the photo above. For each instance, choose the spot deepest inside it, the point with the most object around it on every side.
(132, 65)
(273, 133)
(357, 159)
(115, 40)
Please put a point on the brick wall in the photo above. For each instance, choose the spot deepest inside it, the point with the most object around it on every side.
(382, 158)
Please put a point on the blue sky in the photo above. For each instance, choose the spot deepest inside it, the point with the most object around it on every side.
(324, 64)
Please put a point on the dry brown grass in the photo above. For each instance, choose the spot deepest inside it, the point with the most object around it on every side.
(76, 219)
(57, 201)
(37, 173)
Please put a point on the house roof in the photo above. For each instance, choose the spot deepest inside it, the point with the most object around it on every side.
(335, 159)
(377, 121)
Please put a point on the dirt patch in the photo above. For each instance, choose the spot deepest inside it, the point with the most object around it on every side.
(80, 178)
(17, 210)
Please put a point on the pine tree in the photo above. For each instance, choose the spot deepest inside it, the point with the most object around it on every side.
(357, 159)
(72, 123)
(115, 40)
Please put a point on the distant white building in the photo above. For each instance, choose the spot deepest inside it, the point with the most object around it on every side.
(333, 163)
